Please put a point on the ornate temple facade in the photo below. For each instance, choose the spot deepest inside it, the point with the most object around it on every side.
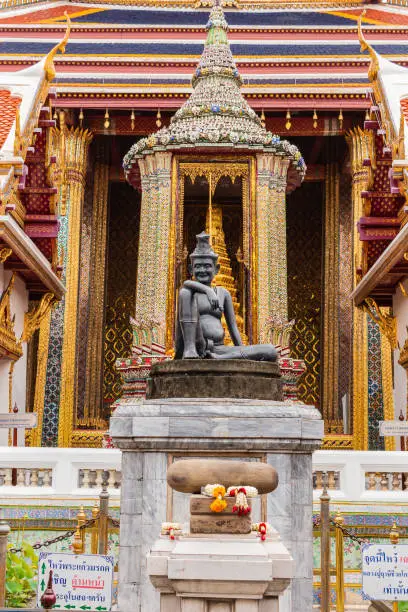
(118, 179)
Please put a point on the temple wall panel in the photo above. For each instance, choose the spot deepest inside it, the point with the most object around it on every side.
(122, 255)
(92, 405)
(304, 218)
(377, 384)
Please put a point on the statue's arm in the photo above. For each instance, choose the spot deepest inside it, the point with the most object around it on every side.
(200, 288)
(229, 314)
(195, 286)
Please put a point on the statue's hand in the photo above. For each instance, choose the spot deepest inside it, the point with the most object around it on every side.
(213, 299)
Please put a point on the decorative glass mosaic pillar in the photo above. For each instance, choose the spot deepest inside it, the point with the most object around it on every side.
(154, 238)
(271, 241)
(55, 383)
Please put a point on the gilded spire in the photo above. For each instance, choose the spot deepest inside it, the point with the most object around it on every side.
(365, 46)
(49, 60)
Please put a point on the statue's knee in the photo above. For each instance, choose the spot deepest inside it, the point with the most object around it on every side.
(187, 305)
(185, 294)
(271, 352)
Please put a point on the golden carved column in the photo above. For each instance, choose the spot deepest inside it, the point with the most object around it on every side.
(330, 378)
(93, 416)
(75, 143)
(154, 238)
(388, 386)
(360, 143)
(271, 239)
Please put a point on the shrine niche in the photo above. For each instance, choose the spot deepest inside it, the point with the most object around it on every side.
(215, 196)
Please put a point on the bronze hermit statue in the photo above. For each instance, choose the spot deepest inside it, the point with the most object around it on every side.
(200, 333)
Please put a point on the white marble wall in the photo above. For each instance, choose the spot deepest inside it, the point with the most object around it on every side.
(19, 306)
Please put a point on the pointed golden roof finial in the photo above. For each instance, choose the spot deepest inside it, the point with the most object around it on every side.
(49, 62)
(365, 46)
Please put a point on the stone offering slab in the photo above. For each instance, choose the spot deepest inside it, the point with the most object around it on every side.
(220, 523)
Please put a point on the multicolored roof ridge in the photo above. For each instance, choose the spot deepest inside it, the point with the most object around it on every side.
(216, 113)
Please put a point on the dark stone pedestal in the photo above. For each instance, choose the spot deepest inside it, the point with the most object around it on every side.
(210, 378)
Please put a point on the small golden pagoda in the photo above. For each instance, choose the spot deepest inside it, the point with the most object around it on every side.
(224, 277)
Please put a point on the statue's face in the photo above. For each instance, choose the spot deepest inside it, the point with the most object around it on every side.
(204, 270)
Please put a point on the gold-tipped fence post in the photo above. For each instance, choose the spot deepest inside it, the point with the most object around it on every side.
(77, 543)
(103, 520)
(339, 520)
(394, 539)
(94, 533)
(4, 531)
(325, 546)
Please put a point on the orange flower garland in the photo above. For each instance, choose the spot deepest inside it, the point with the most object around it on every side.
(219, 504)
(218, 491)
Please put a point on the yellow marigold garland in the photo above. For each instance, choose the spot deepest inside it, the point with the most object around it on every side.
(218, 491)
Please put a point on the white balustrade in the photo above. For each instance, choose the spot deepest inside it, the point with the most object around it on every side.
(59, 473)
(362, 476)
(78, 474)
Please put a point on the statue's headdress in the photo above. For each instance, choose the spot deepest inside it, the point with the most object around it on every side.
(203, 248)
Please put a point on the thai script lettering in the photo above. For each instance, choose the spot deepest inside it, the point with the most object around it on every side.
(87, 583)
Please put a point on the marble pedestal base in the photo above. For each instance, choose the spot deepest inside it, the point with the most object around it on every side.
(154, 433)
(220, 573)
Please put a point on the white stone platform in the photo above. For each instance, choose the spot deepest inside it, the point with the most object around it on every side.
(154, 433)
(200, 572)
